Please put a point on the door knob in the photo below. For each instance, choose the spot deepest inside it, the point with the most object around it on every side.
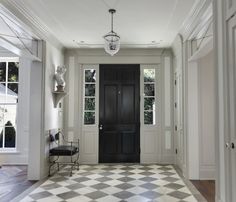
(232, 145)
(100, 127)
(227, 145)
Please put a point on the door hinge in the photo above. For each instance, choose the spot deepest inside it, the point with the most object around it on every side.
(176, 151)
(176, 128)
(175, 104)
(175, 82)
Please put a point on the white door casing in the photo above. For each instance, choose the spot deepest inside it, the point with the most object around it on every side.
(178, 119)
(150, 135)
(167, 105)
(89, 133)
(231, 139)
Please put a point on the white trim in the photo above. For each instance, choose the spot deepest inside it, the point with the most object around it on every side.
(9, 151)
(203, 51)
(150, 135)
(29, 21)
(4, 149)
(9, 59)
(89, 133)
(196, 20)
(94, 57)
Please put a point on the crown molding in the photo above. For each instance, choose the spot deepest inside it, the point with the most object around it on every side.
(31, 21)
(199, 17)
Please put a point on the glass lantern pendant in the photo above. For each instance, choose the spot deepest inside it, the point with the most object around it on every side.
(112, 39)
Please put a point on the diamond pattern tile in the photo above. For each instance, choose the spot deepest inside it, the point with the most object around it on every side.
(114, 183)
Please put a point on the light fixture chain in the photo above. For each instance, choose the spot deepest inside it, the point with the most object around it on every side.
(112, 22)
(112, 39)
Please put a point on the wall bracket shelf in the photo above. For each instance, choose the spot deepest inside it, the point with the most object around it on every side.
(57, 96)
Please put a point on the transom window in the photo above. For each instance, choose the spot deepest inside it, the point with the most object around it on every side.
(9, 82)
(149, 96)
(89, 96)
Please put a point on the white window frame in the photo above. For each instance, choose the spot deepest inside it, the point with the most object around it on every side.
(155, 109)
(90, 67)
(7, 60)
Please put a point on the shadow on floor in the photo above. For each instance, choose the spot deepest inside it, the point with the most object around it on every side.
(13, 181)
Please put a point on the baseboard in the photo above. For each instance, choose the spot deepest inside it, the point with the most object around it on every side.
(14, 164)
(88, 159)
(14, 160)
(168, 159)
(207, 172)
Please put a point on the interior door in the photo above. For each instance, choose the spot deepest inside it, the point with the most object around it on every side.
(119, 114)
(231, 139)
(178, 119)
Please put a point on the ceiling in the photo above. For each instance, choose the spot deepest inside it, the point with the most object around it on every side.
(140, 23)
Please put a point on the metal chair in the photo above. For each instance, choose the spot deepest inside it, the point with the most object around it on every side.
(62, 148)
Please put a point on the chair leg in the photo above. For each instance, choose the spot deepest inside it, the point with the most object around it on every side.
(71, 171)
(49, 173)
(58, 167)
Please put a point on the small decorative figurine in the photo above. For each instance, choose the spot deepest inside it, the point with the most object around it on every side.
(59, 78)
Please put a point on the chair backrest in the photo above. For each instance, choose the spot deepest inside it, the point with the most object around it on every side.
(51, 138)
(56, 136)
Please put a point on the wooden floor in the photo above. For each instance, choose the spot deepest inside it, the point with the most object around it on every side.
(13, 181)
(206, 188)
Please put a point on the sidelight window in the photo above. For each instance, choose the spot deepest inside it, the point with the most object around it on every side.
(9, 81)
(89, 96)
(149, 96)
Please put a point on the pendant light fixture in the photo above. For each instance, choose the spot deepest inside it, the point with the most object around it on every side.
(112, 39)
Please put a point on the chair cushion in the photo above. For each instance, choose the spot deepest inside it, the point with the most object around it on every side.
(63, 150)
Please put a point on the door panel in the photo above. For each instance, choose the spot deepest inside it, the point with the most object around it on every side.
(110, 140)
(110, 101)
(128, 142)
(119, 117)
(128, 104)
(232, 108)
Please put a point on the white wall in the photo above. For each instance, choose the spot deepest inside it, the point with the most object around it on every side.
(73, 102)
(207, 116)
(197, 157)
(52, 116)
(43, 115)
(201, 117)
(193, 122)
(54, 58)
(222, 193)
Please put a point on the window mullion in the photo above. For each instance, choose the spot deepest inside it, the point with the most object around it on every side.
(9, 122)
(149, 101)
(89, 74)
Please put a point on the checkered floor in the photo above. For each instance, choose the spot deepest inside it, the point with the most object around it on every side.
(112, 183)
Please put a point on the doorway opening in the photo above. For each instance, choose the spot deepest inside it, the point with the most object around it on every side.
(119, 116)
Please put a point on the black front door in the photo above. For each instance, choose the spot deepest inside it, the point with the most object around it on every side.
(119, 116)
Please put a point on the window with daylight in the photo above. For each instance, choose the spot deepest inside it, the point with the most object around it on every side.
(9, 81)
(149, 97)
(89, 96)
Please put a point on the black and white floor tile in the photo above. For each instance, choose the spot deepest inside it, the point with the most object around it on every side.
(113, 183)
